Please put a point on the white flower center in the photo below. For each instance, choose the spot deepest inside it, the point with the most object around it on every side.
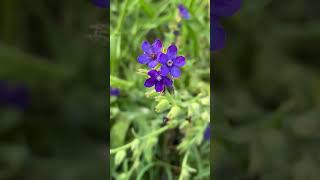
(170, 62)
(159, 78)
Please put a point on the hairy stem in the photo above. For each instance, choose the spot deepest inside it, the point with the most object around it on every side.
(154, 133)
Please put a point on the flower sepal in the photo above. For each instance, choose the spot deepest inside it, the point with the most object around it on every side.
(170, 90)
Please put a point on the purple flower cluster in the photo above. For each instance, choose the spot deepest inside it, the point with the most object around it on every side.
(221, 8)
(170, 64)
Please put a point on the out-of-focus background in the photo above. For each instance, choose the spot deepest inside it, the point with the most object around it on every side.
(53, 83)
(267, 93)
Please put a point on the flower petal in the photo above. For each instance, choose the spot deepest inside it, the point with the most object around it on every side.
(157, 46)
(143, 59)
(146, 47)
(183, 11)
(164, 70)
(168, 82)
(207, 133)
(153, 73)
(150, 82)
(152, 64)
(159, 86)
(179, 61)
(114, 91)
(226, 7)
(218, 36)
(163, 58)
(172, 51)
(175, 71)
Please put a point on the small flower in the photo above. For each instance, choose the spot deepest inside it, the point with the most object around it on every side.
(184, 13)
(101, 3)
(207, 133)
(171, 62)
(221, 8)
(151, 53)
(158, 80)
(114, 91)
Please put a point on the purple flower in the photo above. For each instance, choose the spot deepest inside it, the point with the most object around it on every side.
(221, 8)
(207, 133)
(171, 62)
(184, 13)
(101, 3)
(114, 91)
(158, 80)
(151, 53)
(17, 96)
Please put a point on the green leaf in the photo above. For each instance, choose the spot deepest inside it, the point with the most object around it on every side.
(120, 157)
(118, 133)
(174, 112)
(162, 105)
(120, 83)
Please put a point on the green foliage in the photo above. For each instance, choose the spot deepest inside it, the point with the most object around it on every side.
(155, 149)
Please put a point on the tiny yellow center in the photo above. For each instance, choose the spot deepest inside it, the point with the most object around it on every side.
(164, 50)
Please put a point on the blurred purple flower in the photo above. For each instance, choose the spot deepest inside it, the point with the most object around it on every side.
(114, 91)
(158, 80)
(13, 96)
(151, 53)
(183, 11)
(221, 8)
(207, 133)
(171, 63)
(101, 3)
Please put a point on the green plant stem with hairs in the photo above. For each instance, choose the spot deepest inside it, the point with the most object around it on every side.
(171, 125)
(184, 170)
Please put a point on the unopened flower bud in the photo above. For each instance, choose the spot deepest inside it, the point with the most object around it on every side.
(163, 105)
(174, 112)
(120, 157)
(135, 144)
(151, 94)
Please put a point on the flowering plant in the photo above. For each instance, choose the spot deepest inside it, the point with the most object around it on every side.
(169, 64)
(162, 69)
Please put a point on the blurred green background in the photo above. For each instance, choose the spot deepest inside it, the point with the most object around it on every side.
(52, 48)
(267, 93)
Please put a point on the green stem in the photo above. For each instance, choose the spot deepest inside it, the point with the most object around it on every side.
(155, 133)
(165, 165)
(183, 166)
(113, 151)
(123, 14)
